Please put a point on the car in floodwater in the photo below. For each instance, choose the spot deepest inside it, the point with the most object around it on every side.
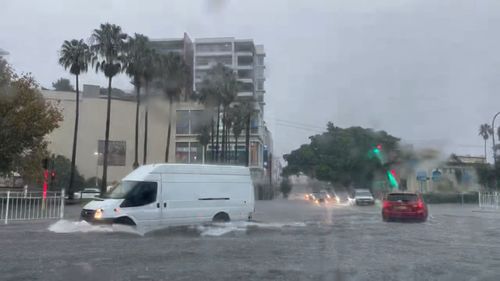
(161, 195)
(404, 206)
(363, 197)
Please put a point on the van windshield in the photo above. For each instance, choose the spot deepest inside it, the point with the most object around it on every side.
(121, 190)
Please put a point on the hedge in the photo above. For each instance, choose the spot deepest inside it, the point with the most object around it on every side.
(436, 198)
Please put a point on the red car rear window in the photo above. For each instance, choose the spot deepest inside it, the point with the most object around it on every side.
(405, 197)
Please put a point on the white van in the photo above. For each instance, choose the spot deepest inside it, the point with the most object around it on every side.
(176, 194)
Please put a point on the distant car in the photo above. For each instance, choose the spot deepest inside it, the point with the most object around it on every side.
(398, 206)
(363, 197)
(87, 193)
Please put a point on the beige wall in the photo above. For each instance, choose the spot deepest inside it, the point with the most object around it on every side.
(122, 128)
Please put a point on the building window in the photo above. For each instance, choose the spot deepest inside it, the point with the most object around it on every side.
(195, 153)
(116, 152)
(188, 152)
(254, 125)
(196, 121)
(190, 122)
(182, 152)
(246, 87)
(260, 84)
(245, 60)
(182, 125)
(260, 60)
(245, 74)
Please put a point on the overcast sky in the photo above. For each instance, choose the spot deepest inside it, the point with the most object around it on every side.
(425, 71)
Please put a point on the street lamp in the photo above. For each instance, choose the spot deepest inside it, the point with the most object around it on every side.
(493, 138)
(97, 168)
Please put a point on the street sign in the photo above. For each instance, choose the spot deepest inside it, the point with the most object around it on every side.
(436, 175)
(421, 175)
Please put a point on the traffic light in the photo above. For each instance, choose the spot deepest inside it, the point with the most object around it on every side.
(45, 163)
(53, 175)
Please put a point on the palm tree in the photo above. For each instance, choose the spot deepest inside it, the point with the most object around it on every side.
(219, 88)
(109, 48)
(237, 117)
(485, 131)
(75, 55)
(173, 73)
(204, 140)
(139, 66)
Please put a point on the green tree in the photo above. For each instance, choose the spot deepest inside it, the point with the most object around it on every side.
(109, 51)
(61, 166)
(25, 119)
(63, 84)
(485, 131)
(344, 156)
(74, 55)
(172, 74)
(285, 187)
(139, 66)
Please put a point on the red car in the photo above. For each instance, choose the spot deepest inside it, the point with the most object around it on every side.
(399, 206)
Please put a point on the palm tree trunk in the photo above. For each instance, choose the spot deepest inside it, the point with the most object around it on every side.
(223, 145)
(236, 150)
(75, 139)
(167, 149)
(217, 138)
(146, 110)
(247, 142)
(212, 140)
(106, 142)
(136, 150)
(485, 150)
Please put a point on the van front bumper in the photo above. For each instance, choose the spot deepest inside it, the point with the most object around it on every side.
(88, 216)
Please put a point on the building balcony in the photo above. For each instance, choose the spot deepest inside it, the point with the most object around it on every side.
(245, 94)
(215, 53)
(244, 53)
(245, 80)
(245, 66)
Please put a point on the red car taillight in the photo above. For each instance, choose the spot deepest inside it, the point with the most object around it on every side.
(420, 204)
(386, 204)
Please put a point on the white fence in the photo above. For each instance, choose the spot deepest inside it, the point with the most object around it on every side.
(20, 206)
(489, 200)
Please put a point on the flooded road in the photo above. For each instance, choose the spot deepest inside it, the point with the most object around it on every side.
(288, 240)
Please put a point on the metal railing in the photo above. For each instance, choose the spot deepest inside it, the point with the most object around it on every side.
(489, 200)
(21, 206)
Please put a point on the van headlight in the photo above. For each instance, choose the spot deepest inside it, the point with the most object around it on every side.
(98, 214)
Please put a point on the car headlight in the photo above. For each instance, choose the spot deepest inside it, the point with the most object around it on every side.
(98, 214)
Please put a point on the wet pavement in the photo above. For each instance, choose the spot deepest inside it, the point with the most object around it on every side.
(289, 240)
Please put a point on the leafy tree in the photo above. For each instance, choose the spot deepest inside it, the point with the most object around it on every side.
(172, 74)
(75, 55)
(485, 131)
(109, 49)
(63, 84)
(62, 168)
(25, 119)
(344, 156)
(285, 187)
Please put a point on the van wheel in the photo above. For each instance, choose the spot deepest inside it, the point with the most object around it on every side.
(221, 217)
(124, 221)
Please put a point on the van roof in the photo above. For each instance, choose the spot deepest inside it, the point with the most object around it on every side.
(176, 168)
